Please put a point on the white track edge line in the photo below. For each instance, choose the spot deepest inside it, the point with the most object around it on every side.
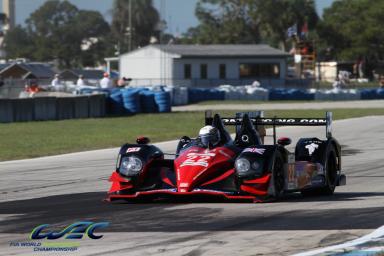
(378, 233)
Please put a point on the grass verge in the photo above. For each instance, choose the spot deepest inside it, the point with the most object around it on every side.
(34, 139)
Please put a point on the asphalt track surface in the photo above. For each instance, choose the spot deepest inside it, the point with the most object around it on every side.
(60, 190)
(285, 106)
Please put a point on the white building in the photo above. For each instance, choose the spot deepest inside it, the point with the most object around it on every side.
(204, 65)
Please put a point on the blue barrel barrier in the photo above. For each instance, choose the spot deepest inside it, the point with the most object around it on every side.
(372, 94)
(216, 94)
(147, 101)
(295, 94)
(163, 101)
(193, 95)
(290, 94)
(380, 93)
(277, 94)
(368, 94)
(115, 104)
(131, 100)
(158, 99)
(202, 94)
(111, 90)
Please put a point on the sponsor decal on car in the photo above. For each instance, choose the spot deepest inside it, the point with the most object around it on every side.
(259, 151)
(305, 172)
(291, 176)
(212, 190)
(320, 121)
(224, 154)
(135, 149)
(311, 148)
(278, 121)
(197, 159)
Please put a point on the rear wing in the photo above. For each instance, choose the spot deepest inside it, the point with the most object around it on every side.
(235, 120)
(257, 119)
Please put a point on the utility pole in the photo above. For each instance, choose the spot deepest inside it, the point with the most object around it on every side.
(9, 10)
(7, 22)
(130, 26)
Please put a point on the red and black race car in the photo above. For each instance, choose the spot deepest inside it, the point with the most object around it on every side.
(215, 165)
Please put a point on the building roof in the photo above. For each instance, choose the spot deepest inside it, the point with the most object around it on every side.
(37, 70)
(3, 65)
(223, 50)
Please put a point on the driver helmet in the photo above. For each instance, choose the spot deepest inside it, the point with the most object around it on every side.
(209, 136)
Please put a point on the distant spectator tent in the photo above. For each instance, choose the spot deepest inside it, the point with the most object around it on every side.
(32, 70)
(205, 65)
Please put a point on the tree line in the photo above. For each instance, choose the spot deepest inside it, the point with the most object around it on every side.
(348, 29)
(59, 31)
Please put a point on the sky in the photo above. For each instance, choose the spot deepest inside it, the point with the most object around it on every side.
(179, 14)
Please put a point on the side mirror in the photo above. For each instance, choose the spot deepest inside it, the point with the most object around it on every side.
(142, 140)
(284, 141)
(185, 139)
(157, 154)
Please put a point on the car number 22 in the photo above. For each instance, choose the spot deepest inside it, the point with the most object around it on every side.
(196, 159)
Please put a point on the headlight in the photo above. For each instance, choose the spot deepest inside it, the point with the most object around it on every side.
(242, 165)
(130, 166)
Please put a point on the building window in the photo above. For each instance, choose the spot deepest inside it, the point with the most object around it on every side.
(259, 70)
(187, 71)
(222, 71)
(203, 71)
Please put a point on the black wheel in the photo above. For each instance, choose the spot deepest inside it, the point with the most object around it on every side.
(278, 176)
(331, 174)
(330, 177)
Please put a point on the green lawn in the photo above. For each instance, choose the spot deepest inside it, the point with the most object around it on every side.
(33, 139)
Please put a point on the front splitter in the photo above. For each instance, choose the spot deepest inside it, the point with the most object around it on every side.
(200, 195)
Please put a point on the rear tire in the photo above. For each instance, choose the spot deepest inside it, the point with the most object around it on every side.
(278, 176)
(330, 178)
